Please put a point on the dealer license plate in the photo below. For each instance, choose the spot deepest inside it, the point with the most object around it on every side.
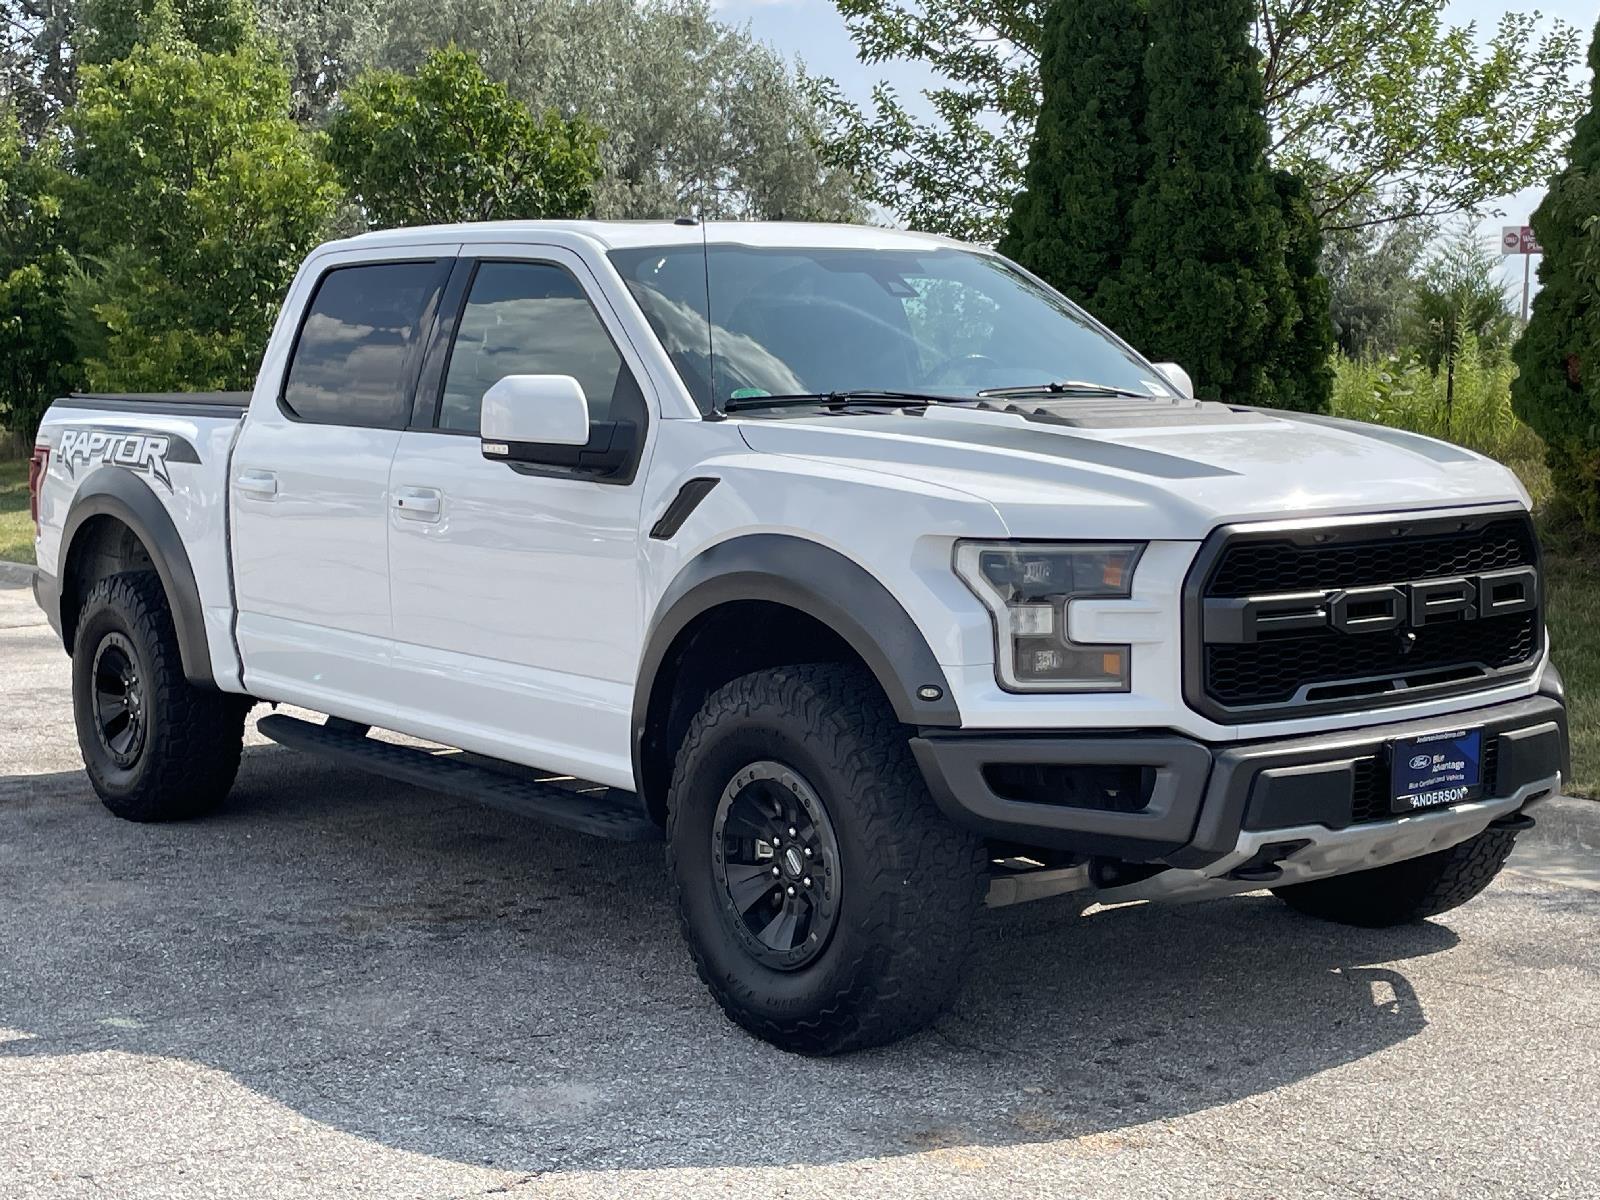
(1435, 770)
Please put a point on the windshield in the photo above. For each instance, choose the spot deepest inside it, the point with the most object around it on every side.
(787, 320)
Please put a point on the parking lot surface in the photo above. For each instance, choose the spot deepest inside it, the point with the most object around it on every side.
(339, 986)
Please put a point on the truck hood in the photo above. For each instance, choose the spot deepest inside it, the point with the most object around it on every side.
(1145, 469)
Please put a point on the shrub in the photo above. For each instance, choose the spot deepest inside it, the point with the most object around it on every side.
(1558, 390)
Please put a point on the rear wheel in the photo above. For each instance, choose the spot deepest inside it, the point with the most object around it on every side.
(827, 902)
(1405, 891)
(156, 748)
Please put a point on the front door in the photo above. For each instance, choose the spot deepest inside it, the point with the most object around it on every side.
(515, 590)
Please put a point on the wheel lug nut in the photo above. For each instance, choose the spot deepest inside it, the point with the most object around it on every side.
(774, 871)
(808, 851)
(806, 881)
(791, 831)
(791, 889)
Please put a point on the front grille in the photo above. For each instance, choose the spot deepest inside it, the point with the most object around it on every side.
(1247, 568)
(1311, 667)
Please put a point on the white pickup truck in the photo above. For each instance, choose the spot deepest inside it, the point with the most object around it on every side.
(867, 570)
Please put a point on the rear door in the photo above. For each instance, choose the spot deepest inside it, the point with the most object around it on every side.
(516, 589)
(310, 478)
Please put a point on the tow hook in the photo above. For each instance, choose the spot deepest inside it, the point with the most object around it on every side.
(1517, 822)
(1262, 866)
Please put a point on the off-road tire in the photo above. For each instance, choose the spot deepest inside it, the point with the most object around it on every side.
(1406, 891)
(188, 752)
(911, 882)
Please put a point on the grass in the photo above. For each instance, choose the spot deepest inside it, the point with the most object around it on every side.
(16, 526)
(1572, 610)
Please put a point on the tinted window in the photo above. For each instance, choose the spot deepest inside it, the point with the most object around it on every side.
(351, 364)
(533, 319)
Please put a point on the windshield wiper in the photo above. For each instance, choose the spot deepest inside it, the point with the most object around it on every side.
(1069, 387)
(844, 399)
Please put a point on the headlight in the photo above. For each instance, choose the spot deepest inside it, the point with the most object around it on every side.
(1028, 587)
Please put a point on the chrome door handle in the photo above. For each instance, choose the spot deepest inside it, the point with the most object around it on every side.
(418, 503)
(263, 485)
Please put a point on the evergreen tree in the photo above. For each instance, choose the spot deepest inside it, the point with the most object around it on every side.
(1205, 276)
(1070, 224)
(1303, 363)
(1557, 390)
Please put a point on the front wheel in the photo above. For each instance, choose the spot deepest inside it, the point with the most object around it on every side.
(827, 902)
(156, 747)
(1406, 891)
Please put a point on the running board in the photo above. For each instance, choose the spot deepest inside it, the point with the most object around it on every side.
(609, 813)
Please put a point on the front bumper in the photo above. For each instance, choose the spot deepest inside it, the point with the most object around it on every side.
(1220, 808)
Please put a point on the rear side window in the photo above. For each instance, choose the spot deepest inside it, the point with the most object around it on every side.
(354, 361)
(526, 318)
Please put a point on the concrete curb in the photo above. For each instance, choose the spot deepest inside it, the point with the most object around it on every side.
(15, 574)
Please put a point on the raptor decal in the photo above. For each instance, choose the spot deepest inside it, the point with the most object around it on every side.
(146, 453)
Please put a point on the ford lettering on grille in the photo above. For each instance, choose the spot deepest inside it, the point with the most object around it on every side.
(1366, 610)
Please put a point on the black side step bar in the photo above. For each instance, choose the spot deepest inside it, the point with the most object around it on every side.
(611, 813)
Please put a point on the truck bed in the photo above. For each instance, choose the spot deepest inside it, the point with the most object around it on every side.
(210, 404)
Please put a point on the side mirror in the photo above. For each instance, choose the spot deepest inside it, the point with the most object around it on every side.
(524, 412)
(1177, 377)
(539, 424)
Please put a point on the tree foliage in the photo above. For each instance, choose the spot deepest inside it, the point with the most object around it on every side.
(1373, 100)
(1300, 362)
(36, 352)
(1071, 223)
(38, 62)
(698, 114)
(449, 144)
(1203, 281)
(1557, 390)
(1370, 272)
(1457, 293)
(194, 198)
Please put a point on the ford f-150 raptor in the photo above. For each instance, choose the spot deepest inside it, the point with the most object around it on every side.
(871, 573)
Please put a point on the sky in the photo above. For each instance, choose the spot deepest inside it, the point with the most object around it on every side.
(814, 32)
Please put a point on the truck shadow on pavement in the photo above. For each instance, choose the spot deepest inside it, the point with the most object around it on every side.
(450, 981)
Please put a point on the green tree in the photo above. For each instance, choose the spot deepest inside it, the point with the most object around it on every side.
(1557, 390)
(1071, 222)
(449, 144)
(112, 28)
(1301, 363)
(1376, 101)
(1371, 272)
(195, 198)
(699, 115)
(37, 357)
(1203, 282)
(38, 62)
(1457, 292)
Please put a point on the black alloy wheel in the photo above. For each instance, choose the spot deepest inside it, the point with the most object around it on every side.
(776, 860)
(120, 719)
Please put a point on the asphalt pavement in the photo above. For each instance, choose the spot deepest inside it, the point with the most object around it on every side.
(338, 986)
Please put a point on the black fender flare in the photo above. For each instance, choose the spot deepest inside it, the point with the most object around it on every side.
(114, 492)
(820, 582)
